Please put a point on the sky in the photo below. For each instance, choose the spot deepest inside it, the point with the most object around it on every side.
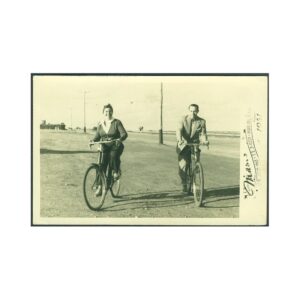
(136, 99)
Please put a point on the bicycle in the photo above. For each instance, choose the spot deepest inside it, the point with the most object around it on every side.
(195, 174)
(96, 182)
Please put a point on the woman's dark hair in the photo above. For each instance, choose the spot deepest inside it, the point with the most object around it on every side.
(107, 106)
(195, 105)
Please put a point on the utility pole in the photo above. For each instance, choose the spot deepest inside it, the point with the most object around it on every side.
(84, 124)
(161, 141)
(71, 119)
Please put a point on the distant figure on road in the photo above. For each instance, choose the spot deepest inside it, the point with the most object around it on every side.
(111, 129)
(191, 129)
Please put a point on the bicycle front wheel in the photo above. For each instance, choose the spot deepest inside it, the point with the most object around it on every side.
(189, 178)
(94, 188)
(198, 184)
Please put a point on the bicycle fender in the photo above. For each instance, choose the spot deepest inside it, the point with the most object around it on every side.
(94, 164)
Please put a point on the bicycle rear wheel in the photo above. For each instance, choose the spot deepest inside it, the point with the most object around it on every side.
(115, 185)
(115, 188)
(198, 184)
(94, 188)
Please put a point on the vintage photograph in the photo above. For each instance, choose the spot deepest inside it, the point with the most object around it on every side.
(150, 149)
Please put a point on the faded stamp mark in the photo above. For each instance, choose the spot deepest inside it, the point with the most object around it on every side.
(251, 158)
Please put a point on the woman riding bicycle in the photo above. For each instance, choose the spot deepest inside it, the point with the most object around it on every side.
(111, 129)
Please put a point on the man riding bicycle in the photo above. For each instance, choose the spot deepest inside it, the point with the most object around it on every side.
(191, 129)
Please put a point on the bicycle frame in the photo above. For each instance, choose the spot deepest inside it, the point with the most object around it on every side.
(195, 151)
(100, 156)
(108, 174)
(195, 167)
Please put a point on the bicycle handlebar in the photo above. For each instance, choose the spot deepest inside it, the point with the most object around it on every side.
(101, 142)
(197, 144)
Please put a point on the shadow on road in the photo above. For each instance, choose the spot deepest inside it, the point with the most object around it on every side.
(222, 197)
(223, 191)
(49, 151)
(175, 194)
(226, 197)
(148, 200)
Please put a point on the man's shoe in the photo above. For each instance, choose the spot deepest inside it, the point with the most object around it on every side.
(116, 175)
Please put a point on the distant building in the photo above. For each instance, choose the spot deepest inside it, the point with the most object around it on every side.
(60, 126)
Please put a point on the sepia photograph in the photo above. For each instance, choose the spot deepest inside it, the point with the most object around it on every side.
(150, 149)
(157, 151)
